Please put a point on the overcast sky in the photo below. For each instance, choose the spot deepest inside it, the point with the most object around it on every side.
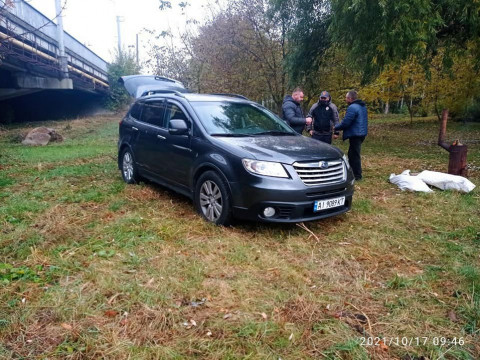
(93, 22)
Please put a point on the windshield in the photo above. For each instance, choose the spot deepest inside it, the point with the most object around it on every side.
(225, 118)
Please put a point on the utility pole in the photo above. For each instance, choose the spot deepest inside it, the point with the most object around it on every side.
(119, 20)
(61, 45)
(137, 50)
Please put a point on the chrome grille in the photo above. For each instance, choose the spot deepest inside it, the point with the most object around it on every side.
(321, 172)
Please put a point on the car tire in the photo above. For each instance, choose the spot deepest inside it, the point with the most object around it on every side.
(128, 167)
(212, 198)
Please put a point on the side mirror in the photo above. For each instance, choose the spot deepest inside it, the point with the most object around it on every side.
(178, 127)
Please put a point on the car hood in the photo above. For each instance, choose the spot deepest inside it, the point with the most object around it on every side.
(284, 149)
(139, 85)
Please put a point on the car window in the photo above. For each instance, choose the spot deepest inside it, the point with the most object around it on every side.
(174, 112)
(154, 113)
(135, 111)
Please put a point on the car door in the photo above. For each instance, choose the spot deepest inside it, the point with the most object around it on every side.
(180, 155)
(129, 133)
(151, 147)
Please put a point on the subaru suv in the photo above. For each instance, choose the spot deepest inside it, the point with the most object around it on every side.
(233, 157)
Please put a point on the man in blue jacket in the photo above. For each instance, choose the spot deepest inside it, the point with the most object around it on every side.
(355, 128)
(292, 113)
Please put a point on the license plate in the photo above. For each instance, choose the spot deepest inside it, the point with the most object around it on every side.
(328, 204)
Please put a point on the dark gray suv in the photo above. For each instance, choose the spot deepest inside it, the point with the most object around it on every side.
(232, 156)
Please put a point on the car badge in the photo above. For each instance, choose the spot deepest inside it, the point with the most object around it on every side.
(323, 164)
(328, 108)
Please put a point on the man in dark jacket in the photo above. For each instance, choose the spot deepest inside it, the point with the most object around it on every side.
(355, 128)
(292, 113)
(325, 117)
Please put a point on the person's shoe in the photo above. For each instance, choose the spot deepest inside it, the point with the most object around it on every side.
(358, 178)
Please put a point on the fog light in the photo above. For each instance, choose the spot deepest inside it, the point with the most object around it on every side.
(269, 212)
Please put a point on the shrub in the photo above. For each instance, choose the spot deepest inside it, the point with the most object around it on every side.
(473, 111)
(124, 64)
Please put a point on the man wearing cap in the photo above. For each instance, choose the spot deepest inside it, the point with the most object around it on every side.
(325, 117)
(355, 128)
(293, 113)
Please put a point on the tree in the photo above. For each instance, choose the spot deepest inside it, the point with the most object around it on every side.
(169, 59)
(241, 50)
(312, 59)
(265, 42)
(306, 28)
(384, 32)
(123, 64)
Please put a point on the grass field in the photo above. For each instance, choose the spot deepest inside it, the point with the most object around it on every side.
(91, 268)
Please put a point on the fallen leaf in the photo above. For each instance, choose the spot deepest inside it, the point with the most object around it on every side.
(452, 316)
(227, 316)
(290, 337)
(264, 316)
(193, 322)
(66, 326)
(110, 313)
(123, 322)
(383, 346)
(209, 333)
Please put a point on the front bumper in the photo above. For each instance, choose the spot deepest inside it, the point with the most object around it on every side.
(292, 203)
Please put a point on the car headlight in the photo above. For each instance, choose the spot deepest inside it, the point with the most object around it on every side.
(265, 168)
(346, 161)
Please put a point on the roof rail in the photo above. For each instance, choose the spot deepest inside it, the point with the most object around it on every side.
(233, 95)
(162, 91)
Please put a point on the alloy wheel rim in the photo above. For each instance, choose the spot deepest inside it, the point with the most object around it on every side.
(127, 166)
(211, 200)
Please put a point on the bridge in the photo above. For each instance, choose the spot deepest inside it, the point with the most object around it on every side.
(36, 56)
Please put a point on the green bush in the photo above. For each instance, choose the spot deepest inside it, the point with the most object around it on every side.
(473, 111)
(124, 64)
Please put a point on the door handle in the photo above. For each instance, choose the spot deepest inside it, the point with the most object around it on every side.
(134, 128)
(161, 137)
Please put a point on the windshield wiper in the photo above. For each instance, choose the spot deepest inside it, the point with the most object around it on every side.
(274, 132)
(231, 135)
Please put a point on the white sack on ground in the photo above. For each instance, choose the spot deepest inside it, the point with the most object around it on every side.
(406, 182)
(446, 181)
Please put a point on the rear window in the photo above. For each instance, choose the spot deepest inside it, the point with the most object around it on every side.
(154, 113)
(135, 111)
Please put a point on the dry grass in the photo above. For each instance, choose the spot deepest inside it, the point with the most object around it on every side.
(104, 270)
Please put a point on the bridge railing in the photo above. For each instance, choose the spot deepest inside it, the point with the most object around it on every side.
(25, 23)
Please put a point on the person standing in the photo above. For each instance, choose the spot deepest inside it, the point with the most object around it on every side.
(325, 117)
(355, 128)
(292, 112)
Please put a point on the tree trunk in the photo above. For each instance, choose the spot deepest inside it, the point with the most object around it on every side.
(387, 107)
(443, 130)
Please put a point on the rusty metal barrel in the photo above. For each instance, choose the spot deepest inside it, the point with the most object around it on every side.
(457, 164)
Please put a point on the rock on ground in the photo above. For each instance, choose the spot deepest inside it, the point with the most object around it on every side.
(41, 136)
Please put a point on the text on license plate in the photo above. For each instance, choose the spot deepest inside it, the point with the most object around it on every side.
(328, 204)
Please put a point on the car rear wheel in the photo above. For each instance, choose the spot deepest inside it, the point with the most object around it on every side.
(129, 169)
(212, 198)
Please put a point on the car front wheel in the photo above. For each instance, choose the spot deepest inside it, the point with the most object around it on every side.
(212, 198)
(129, 169)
